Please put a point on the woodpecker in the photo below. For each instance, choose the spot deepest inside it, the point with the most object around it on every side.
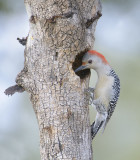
(107, 89)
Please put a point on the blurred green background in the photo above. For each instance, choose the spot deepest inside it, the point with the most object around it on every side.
(117, 37)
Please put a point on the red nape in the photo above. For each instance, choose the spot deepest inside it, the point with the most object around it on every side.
(93, 52)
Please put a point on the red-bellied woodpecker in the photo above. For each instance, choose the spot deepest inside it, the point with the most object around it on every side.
(106, 91)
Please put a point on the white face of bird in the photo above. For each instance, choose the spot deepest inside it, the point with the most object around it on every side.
(92, 61)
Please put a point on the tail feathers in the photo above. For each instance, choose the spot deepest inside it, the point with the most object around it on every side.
(95, 128)
(104, 125)
(99, 123)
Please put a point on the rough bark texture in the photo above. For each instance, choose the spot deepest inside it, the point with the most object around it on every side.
(61, 31)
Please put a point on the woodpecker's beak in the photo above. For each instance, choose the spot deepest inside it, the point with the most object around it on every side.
(80, 68)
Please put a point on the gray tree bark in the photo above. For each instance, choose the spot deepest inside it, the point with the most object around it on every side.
(61, 31)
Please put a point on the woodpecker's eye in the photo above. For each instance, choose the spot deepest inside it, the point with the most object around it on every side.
(90, 61)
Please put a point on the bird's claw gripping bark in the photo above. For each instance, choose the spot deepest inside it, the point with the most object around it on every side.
(90, 94)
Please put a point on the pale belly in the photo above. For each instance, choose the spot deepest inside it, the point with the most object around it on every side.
(103, 90)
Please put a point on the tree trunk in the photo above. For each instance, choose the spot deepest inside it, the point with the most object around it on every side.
(61, 31)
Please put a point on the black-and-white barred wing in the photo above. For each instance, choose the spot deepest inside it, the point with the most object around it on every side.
(116, 88)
